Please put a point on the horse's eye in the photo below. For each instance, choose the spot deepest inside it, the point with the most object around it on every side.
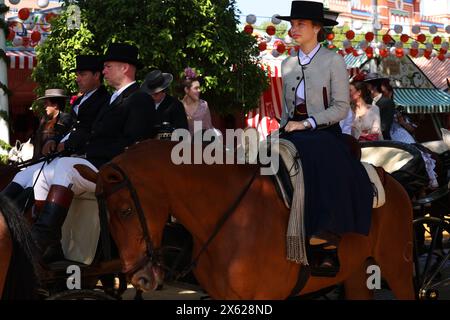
(126, 212)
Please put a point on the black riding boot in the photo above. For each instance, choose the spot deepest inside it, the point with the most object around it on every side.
(46, 231)
(12, 190)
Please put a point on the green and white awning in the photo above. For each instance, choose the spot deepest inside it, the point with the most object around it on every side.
(415, 100)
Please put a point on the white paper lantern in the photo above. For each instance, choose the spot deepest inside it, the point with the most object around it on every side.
(357, 25)
(42, 3)
(275, 53)
(17, 41)
(392, 50)
(398, 29)
(434, 54)
(14, 1)
(275, 19)
(444, 45)
(420, 53)
(378, 25)
(414, 45)
(433, 29)
(267, 38)
(398, 44)
(447, 55)
(363, 44)
(381, 46)
(347, 44)
(251, 19)
(415, 29)
(447, 29)
(406, 51)
(429, 46)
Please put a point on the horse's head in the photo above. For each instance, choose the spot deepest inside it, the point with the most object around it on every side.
(136, 232)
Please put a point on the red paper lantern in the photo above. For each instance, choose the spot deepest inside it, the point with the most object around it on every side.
(441, 57)
(11, 34)
(384, 53)
(35, 36)
(341, 52)
(24, 14)
(281, 47)
(331, 47)
(49, 16)
(350, 34)
(413, 52)
(369, 36)
(262, 46)
(399, 52)
(437, 40)
(271, 30)
(248, 29)
(349, 50)
(369, 55)
(369, 50)
(330, 36)
(443, 51)
(355, 53)
(427, 54)
(387, 38)
(25, 41)
(404, 38)
(421, 38)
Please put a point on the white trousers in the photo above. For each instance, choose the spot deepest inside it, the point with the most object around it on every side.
(61, 172)
(28, 175)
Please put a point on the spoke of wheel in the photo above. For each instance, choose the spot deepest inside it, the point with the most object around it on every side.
(431, 250)
(444, 282)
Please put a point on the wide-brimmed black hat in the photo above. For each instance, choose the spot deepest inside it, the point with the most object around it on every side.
(156, 81)
(53, 93)
(308, 10)
(92, 63)
(372, 77)
(123, 52)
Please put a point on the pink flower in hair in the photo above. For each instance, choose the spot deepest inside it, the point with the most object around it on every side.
(190, 73)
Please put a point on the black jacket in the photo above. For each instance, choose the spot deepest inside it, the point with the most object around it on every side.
(128, 119)
(87, 113)
(172, 110)
(51, 130)
(387, 111)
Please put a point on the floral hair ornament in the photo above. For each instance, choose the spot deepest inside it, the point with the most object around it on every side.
(190, 73)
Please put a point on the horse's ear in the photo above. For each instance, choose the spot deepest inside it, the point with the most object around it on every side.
(86, 172)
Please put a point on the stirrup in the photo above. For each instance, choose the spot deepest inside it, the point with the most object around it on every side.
(325, 261)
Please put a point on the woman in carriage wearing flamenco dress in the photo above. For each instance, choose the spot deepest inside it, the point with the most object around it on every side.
(338, 192)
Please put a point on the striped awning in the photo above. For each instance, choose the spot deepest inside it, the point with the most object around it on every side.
(21, 59)
(355, 62)
(420, 100)
(436, 70)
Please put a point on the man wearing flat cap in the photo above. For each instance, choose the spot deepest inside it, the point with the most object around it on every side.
(168, 109)
(125, 119)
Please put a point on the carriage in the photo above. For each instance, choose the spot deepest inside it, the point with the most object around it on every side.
(431, 207)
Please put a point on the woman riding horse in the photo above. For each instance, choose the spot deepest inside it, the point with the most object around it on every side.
(338, 192)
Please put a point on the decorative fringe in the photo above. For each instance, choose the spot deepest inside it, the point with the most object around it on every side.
(295, 238)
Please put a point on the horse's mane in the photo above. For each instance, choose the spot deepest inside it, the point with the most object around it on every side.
(23, 273)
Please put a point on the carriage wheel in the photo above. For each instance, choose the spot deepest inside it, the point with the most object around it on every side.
(80, 295)
(431, 256)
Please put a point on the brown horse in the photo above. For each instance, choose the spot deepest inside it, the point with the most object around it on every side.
(247, 258)
(18, 265)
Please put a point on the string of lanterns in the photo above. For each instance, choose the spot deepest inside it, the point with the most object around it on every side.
(386, 47)
(29, 30)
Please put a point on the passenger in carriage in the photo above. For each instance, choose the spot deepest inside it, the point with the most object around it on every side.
(338, 192)
(54, 125)
(386, 105)
(169, 110)
(366, 124)
(126, 118)
(85, 109)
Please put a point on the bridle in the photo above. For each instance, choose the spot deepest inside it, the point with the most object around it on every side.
(151, 254)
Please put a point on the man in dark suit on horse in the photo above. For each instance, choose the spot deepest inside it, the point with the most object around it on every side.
(168, 109)
(126, 118)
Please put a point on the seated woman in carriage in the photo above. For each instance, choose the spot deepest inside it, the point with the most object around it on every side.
(338, 192)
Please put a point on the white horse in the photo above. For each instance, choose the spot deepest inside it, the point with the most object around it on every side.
(21, 152)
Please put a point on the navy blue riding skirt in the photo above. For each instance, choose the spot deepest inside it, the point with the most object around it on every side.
(338, 192)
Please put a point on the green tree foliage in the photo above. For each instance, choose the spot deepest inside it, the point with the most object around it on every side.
(171, 35)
